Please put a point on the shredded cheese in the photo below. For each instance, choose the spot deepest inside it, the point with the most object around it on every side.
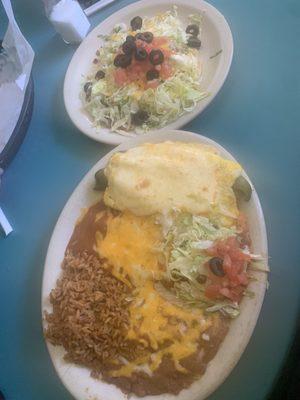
(131, 246)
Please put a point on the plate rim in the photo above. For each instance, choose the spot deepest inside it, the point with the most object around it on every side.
(112, 138)
(182, 136)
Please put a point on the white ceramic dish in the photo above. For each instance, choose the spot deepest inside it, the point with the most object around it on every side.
(216, 35)
(77, 379)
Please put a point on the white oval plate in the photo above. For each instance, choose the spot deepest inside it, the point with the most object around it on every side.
(77, 379)
(216, 35)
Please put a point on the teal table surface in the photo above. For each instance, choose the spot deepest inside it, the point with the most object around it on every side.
(255, 116)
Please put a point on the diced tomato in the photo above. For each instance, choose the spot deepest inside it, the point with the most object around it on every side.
(152, 84)
(166, 70)
(213, 291)
(233, 284)
(159, 41)
(227, 293)
(120, 76)
(229, 267)
(231, 247)
(227, 264)
(237, 293)
(134, 72)
(148, 47)
(167, 52)
(243, 278)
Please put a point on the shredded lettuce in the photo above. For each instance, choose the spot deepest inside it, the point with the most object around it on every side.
(186, 241)
(229, 309)
(259, 266)
(188, 296)
(188, 237)
(196, 19)
(167, 24)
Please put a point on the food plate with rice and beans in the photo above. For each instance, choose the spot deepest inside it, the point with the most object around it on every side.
(156, 271)
(151, 65)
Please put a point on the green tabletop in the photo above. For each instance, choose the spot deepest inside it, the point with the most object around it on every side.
(255, 116)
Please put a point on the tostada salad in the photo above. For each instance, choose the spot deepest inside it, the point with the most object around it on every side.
(145, 75)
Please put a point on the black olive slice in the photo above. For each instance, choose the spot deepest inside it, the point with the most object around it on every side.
(141, 54)
(192, 29)
(128, 47)
(100, 75)
(148, 37)
(87, 86)
(122, 60)
(139, 117)
(144, 36)
(194, 42)
(156, 57)
(136, 23)
(216, 266)
(139, 36)
(152, 74)
(130, 38)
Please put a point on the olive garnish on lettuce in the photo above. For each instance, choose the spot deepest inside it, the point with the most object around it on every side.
(139, 117)
(141, 54)
(152, 74)
(136, 23)
(130, 38)
(194, 42)
(87, 86)
(122, 60)
(156, 57)
(192, 29)
(216, 266)
(144, 36)
(129, 47)
(100, 75)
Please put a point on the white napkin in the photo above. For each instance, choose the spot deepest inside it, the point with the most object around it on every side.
(15, 67)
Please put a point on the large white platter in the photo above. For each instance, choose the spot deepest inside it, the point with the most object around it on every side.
(216, 35)
(77, 379)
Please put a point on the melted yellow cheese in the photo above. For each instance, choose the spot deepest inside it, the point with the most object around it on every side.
(160, 321)
(131, 247)
(156, 177)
